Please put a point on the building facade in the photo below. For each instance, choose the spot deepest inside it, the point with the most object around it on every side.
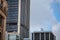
(3, 14)
(18, 17)
(43, 36)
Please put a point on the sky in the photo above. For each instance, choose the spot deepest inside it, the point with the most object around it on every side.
(42, 14)
(45, 14)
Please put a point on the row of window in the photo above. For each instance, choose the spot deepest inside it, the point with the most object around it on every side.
(47, 36)
(23, 11)
(12, 11)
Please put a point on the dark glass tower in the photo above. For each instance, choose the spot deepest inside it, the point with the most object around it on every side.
(12, 18)
(18, 17)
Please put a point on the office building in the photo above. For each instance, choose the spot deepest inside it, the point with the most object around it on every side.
(18, 17)
(3, 14)
(43, 36)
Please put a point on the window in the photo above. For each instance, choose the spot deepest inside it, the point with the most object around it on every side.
(37, 37)
(1, 4)
(0, 35)
(42, 36)
(17, 37)
(47, 36)
(51, 37)
(6, 0)
(0, 20)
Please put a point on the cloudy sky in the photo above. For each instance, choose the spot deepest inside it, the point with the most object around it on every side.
(46, 15)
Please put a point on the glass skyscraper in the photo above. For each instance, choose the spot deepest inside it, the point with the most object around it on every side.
(18, 17)
(12, 18)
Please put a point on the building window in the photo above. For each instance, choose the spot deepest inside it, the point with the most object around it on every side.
(6, 0)
(0, 35)
(0, 20)
(37, 36)
(51, 36)
(47, 36)
(1, 3)
(42, 36)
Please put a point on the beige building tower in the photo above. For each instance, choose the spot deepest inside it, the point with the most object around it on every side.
(3, 14)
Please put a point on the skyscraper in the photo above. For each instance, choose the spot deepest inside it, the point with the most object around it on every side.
(18, 17)
(3, 14)
(43, 36)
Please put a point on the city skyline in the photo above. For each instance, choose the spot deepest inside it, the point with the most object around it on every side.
(43, 16)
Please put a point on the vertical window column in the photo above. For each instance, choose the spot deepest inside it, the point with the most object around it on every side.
(44, 36)
(40, 36)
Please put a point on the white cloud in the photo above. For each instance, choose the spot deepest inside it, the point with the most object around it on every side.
(41, 13)
(56, 30)
(37, 27)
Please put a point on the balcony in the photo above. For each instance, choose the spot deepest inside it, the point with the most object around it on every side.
(4, 6)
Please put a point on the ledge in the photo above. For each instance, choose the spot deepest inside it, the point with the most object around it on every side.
(3, 11)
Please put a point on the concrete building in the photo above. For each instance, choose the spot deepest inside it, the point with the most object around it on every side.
(3, 14)
(18, 17)
(43, 36)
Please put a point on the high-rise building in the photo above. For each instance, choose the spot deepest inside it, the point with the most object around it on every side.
(43, 36)
(18, 17)
(3, 14)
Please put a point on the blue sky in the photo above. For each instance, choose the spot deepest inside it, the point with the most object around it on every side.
(45, 15)
(42, 15)
(56, 7)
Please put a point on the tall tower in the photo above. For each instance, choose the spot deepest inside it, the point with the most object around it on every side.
(18, 18)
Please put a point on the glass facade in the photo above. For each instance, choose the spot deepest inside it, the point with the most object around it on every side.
(23, 11)
(37, 36)
(51, 37)
(12, 18)
(42, 36)
(32, 36)
(23, 29)
(47, 36)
